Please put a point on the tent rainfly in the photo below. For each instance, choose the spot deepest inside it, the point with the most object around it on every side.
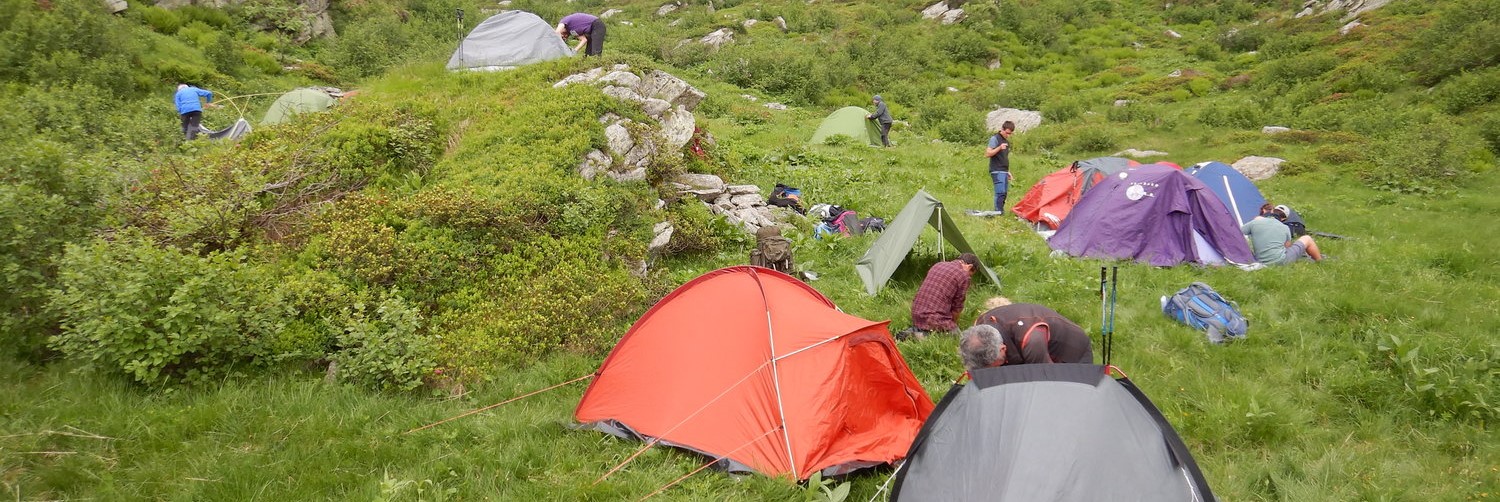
(234, 132)
(297, 101)
(1050, 199)
(1232, 187)
(1048, 432)
(760, 372)
(506, 40)
(881, 260)
(848, 121)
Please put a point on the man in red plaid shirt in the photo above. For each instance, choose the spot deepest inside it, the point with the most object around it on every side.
(940, 299)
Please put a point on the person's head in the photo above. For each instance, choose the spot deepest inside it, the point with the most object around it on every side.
(876, 99)
(562, 30)
(182, 86)
(996, 302)
(1266, 209)
(1008, 128)
(970, 262)
(980, 346)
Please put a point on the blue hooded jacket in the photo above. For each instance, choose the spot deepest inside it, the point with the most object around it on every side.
(187, 99)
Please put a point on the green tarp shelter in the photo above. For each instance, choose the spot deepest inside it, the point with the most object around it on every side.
(297, 101)
(848, 121)
(881, 260)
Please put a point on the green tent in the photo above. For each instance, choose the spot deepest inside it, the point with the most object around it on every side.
(297, 101)
(848, 121)
(881, 260)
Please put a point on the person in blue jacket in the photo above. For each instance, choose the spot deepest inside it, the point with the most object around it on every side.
(191, 109)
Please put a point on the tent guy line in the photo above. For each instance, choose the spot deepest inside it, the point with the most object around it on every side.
(496, 405)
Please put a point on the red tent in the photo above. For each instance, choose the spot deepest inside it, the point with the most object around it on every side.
(1050, 199)
(752, 366)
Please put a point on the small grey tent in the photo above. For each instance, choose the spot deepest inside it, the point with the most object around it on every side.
(297, 101)
(881, 260)
(234, 132)
(1048, 432)
(506, 40)
(848, 121)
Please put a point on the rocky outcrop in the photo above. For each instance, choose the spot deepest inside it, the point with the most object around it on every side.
(318, 23)
(718, 38)
(740, 205)
(944, 11)
(632, 146)
(1274, 130)
(1351, 8)
(1258, 168)
(1024, 119)
(115, 6)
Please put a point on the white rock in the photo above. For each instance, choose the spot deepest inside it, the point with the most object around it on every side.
(690, 98)
(620, 67)
(742, 189)
(1123, 102)
(701, 181)
(609, 118)
(655, 107)
(935, 10)
(1131, 152)
(623, 93)
(1274, 129)
(752, 99)
(718, 38)
(618, 138)
(675, 22)
(1305, 12)
(1175, 74)
(775, 106)
(579, 78)
(1344, 30)
(746, 200)
(1024, 119)
(663, 232)
(1258, 168)
(677, 128)
(952, 89)
(115, 6)
(994, 64)
(594, 163)
(621, 78)
(627, 23)
(780, 23)
(637, 174)
(750, 22)
(609, 13)
(645, 149)
(666, 9)
(952, 16)
(1173, 34)
(706, 195)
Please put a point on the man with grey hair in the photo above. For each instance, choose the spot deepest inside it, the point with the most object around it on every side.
(882, 118)
(1034, 334)
(981, 347)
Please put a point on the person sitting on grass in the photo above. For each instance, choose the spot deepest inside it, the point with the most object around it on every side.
(1272, 242)
(1024, 333)
(940, 298)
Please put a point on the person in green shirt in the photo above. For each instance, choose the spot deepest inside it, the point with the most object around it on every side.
(1272, 242)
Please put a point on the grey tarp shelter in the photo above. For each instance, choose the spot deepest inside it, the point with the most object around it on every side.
(506, 40)
(848, 121)
(234, 132)
(1048, 432)
(881, 260)
(295, 101)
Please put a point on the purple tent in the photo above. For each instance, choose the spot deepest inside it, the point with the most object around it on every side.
(1152, 214)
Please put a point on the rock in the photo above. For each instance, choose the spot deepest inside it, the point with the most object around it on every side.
(1175, 74)
(952, 16)
(718, 38)
(618, 138)
(666, 9)
(1024, 119)
(655, 107)
(1305, 12)
(620, 67)
(746, 200)
(780, 24)
(1123, 102)
(1274, 129)
(702, 181)
(708, 196)
(675, 22)
(1172, 34)
(1344, 30)
(952, 89)
(115, 6)
(935, 10)
(993, 65)
(677, 128)
(749, 22)
(645, 149)
(1131, 152)
(579, 78)
(690, 98)
(610, 13)
(1258, 168)
(594, 163)
(504, 3)
(621, 78)
(633, 175)
(742, 189)
(623, 94)
(775, 106)
(663, 232)
(609, 118)
(662, 85)
(750, 98)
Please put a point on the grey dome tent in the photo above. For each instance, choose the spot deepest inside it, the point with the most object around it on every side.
(1048, 432)
(881, 260)
(506, 40)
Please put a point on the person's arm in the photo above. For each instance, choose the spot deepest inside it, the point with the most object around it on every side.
(208, 97)
(1034, 344)
(582, 41)
(959, 298)
(995, 148)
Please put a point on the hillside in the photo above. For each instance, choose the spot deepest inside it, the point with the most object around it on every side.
(267, 318)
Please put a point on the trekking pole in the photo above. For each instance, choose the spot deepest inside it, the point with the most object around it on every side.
(1114, 286)
(1103, 315)
(459, 13)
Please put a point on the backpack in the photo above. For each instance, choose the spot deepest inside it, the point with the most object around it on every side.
(774, 253)
(872, 224)
(819, 211)
(846, 222)
(1201, 307)
(785, 196)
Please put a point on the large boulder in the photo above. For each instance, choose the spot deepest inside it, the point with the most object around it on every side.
(718, 38)
(1258, 168)
(1024, 119)
(594, 162)
(702, 181)
(677, 128)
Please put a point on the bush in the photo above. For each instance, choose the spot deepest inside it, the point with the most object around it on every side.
(1242, 115)
(1064, 109)
(162, 20)
(1024, 95)
(385, 349)
(1435, 157)
(1469, 91)
(1092, 139)
(159, 315)
(1489, 129)
(1466, 36)
(1138, 113)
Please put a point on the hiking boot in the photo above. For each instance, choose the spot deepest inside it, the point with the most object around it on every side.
(911, 334)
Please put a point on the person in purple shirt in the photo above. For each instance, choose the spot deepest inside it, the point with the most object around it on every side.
(190, 109)
(589, 30)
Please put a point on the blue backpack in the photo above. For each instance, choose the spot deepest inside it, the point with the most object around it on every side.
(1201, 307)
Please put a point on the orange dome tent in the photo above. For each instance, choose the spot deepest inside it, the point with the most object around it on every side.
(1050, 199)
(757, 369)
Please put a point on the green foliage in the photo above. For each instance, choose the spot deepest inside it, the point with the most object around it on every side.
(161, 316)
(1025, 95)
(1064, 109)
(1465, 36)
(1433, 158)
(694, 229)
(386, 348)
(820, 489)
(1240, 115)
(1489, 130)
(1469, 91)
(1459, 386)
(1093, 139)
(162, 20)
(1139, 113)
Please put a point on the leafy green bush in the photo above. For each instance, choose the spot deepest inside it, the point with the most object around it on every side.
(1469, 91)
(160, 315)
(1025, 95)
(1242, 115)
(1092, 139)
(162, 20)
(1139, 113)
(1064, 109)
(1489, 129)
(1466, 36)
(1433, 158)
(387, 348)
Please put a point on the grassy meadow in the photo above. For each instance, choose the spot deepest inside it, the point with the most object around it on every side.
(166, 340)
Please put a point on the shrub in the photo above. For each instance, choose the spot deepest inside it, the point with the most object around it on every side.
(1242, 115)
(1435, 157)
(159, 315)
(1092, 139)
(1489, 129)
(1465, 36)
(1025, 95)
(1134, 113)
(1064, 109)
(387, 348)
(162, 20)
(1469, 91)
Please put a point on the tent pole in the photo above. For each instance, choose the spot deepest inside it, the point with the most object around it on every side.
(1232, 203)
(460, 31)
(942, 250)
(786, 434)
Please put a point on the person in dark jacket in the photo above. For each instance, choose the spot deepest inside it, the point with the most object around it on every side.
(1023, 333)
(190, 109)
(999, 155)
(882, 117)
(587, 27)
